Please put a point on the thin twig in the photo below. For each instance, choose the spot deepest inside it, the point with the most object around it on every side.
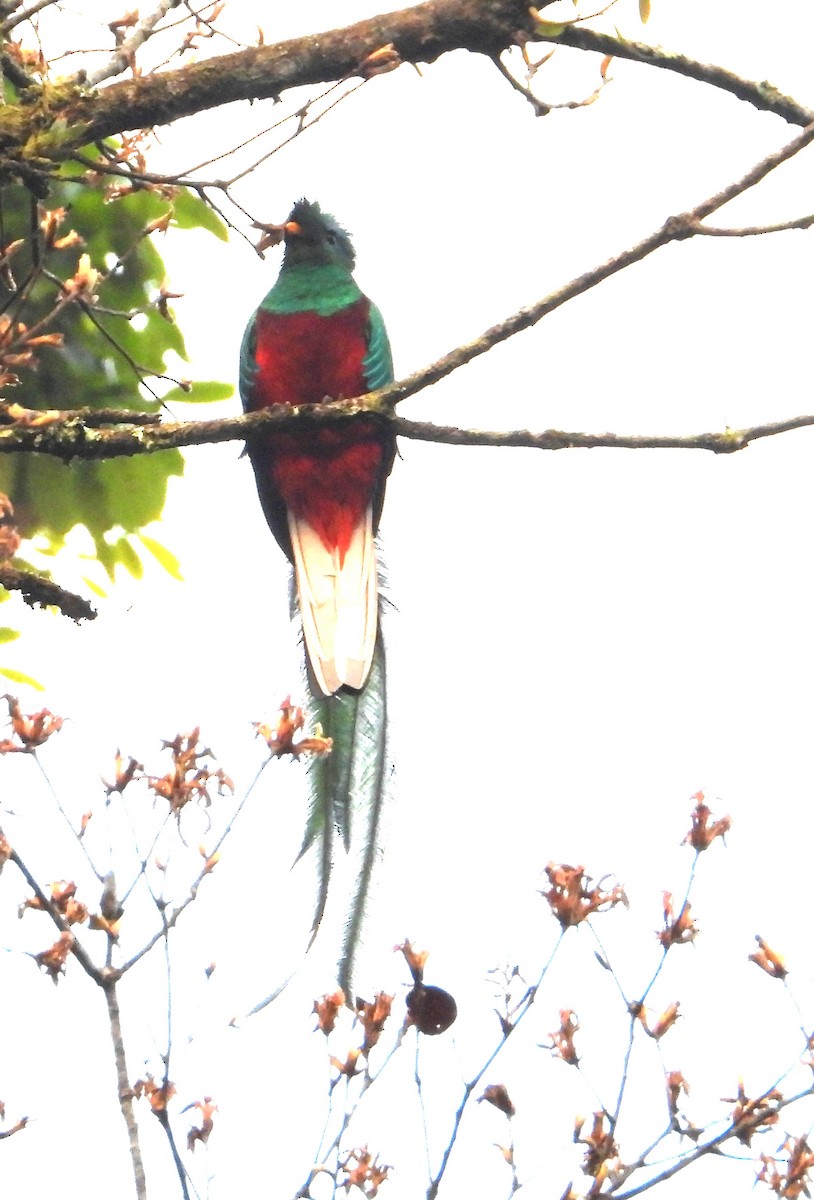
(328, 1150)
(25, 14)
(77, 949)
(756, 230)
(181, 1171)
(637, 1007)
(541, 109)
(712, 1146)
(762, 95)
(61, 810)
(169, 922)
(728, 441)
(302, 125)
(16, 1128)
(122, 57)
(470, 1085)
(674, 228)
(162, 1114)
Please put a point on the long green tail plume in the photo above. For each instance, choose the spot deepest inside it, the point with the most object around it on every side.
(348, 788)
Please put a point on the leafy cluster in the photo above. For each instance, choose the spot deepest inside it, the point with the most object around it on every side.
(87, 326)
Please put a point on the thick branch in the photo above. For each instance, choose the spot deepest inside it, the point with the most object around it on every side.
(124, 1088)
(420, 34)
(35, 589)
(72, 115)
(125, 441)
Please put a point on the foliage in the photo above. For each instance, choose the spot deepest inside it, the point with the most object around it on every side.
(86, 324)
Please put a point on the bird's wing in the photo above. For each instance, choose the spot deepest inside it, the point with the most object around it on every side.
(248, 363)
(377, 364)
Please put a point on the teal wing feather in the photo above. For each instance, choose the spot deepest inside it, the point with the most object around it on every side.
(377, 364)
(248, 363)
(377, 368)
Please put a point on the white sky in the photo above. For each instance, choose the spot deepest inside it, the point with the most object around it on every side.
(580, 640)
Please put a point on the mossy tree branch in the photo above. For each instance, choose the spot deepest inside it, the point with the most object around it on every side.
(57, 119)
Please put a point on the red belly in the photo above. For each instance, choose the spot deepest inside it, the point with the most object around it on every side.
(328, 475)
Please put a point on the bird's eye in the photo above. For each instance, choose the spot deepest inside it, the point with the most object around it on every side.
(330, 237)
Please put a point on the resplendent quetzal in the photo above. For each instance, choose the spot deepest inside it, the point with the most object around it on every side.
(316, 337)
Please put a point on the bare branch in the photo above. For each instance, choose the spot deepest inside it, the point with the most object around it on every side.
(7, 1133)
(71, 439)
(674, 229)
(729, 441)
(77, 949)
(125, 1090)
(541, 109)
(122, 57)
(161, 1113)
(25, 14)
(763, 95)
(508, 1029)
(169, 922)
(712, 1146)
(178, 1162)
(755, 230)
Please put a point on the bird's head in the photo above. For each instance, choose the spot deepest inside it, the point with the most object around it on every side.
(314, 237)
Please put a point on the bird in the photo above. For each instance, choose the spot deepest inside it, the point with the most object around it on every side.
(316, 337)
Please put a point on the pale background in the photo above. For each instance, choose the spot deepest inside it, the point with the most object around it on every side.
(580, 641)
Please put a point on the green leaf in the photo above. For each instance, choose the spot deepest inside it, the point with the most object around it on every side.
(191, 212)
(19, 677)
(124, 554)
(52, 497)
(94, 587)
(8, 635)
(201, 392)
(163, 555)
(549, 29)
(119, 554)
(107, 558)
(129, 558)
